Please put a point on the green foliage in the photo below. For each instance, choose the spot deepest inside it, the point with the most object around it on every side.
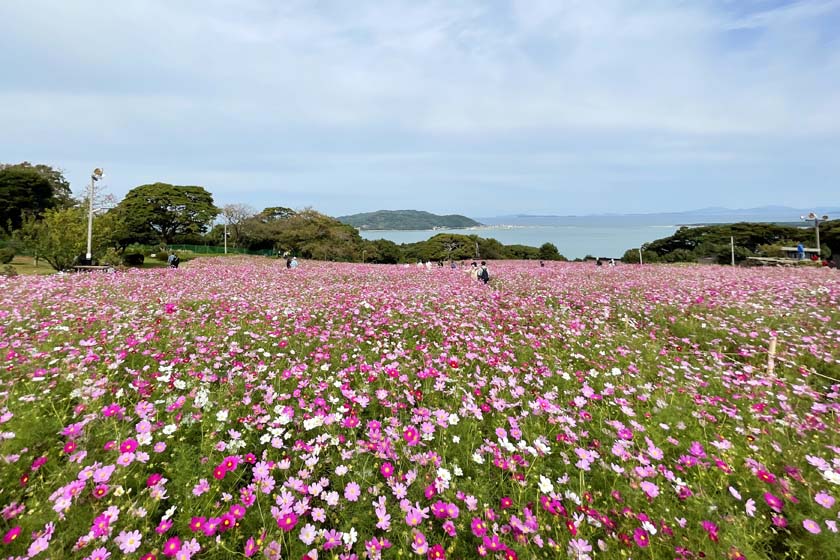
(162, 212)
(133, 259)
(59, 238)
(60, 185)
(6, 255)
(690, 244)
(549, 252)
(406, 220)
(307, 234)
(382, 251)
(23, 192)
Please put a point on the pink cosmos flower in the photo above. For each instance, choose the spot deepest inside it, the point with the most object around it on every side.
(649, 488)
(352, 492)
(411, 436)
(641, 537)
(811, 526)
(171, 546)
(128, 446)
(129, 541)
(100, 553)
(765, 476)
(200, 488)
(250, 547)
(332, 539)
(824, 499)
(197, 523)
(419, 543)
(387, 470)
(436, 553)
(101, 525)
(287, 522)
(11, 534)
(775, 503)
(478, 527)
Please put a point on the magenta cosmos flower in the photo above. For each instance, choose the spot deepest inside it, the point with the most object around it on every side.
(11, 535)
(287, 522)
(172, 546)
(387, 470)
(775, 503)
(411, 436)
(641, 537)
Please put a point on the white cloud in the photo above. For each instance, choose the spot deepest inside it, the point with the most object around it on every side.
(219, 88)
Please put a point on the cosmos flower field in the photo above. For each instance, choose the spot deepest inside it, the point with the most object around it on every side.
(233, 408)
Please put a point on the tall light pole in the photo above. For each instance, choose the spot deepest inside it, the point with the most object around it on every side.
(225, 238)
(816, 219)
(94, 177)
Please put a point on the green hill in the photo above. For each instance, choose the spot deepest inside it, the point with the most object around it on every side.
(406, 219)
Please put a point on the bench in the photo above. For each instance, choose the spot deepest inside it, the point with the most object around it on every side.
(90, 268)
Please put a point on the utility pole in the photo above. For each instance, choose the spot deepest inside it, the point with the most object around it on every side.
(732, 246)
(225, 238)
(95, 176)
(816, 219)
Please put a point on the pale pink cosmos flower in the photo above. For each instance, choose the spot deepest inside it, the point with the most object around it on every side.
(811, 526)
(128, 541)
(352, 492)
(825, 499)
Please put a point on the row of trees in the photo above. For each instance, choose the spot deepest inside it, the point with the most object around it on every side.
(690, 244)
(40, 215)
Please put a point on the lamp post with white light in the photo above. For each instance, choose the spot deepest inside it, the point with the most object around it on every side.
(816, 219)
(94, 177)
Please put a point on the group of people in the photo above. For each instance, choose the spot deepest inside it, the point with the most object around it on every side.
(476, 271)
(480, 273)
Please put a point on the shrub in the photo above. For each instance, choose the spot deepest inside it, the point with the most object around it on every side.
(133, 259)
(6, 255)
(8, 271)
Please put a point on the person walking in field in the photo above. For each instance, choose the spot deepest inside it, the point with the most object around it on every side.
(474, 270)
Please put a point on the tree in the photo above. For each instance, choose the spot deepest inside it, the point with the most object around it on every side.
(235, 216)
(23, 192)
(549, 252)
(162, 212)
(61, 186)
(274, 213)
(61, 235)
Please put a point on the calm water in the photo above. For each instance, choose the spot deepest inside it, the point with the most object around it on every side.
(572, 241)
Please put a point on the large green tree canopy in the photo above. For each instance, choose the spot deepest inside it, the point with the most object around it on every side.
(60, 185)
(162, 212)
(23, 191)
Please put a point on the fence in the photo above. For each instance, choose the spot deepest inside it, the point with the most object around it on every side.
(214, 250)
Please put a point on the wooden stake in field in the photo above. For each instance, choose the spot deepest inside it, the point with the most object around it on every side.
(771, 356)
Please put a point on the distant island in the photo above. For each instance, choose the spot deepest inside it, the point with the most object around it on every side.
(406, 220)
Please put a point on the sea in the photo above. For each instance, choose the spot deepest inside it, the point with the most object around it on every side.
(573, 241)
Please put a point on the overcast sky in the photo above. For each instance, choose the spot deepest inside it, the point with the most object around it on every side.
(467, 106)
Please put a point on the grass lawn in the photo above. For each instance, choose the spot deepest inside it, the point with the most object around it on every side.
(26, 265)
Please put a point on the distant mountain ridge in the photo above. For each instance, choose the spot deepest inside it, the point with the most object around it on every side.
(406, 220)
(711, 215)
